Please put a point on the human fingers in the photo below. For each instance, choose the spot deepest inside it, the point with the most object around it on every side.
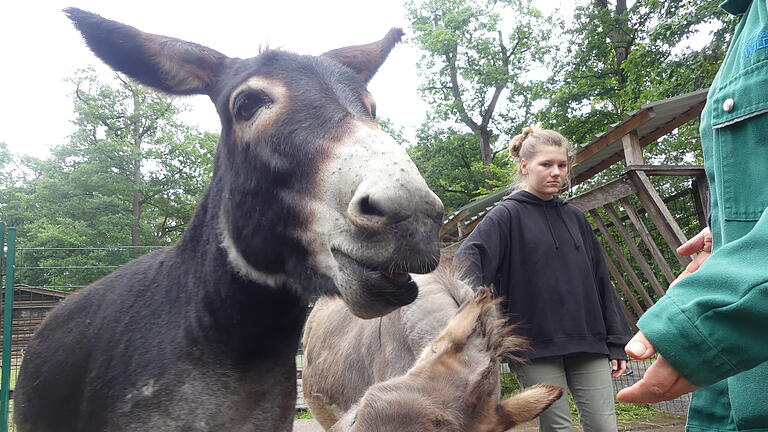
(639, 347)
(707, 240)
(692, 266)
(661, 382)
(695, 243)
(618, 367)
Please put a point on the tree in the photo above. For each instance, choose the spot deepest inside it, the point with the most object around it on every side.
(131, 174)
(12, 185)
(452, 167)
(5, 179)
(393, 130)
(476, 59)
(131, 150)
(615, 58)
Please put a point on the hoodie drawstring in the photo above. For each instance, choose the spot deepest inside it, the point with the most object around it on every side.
(560, 212)
(549, 224)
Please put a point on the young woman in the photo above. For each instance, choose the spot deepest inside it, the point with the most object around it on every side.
(541, 255)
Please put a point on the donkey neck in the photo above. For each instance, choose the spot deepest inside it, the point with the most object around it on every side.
(246, 318)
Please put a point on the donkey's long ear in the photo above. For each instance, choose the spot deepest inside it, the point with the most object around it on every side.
(520, 408)
(168, 64)
(365, 60)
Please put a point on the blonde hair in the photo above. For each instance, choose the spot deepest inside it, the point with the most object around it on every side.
(528, 143)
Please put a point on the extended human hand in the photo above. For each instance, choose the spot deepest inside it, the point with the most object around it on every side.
(661, 382)
(701, 243)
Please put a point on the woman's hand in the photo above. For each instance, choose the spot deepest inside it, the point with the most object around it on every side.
(618, 367)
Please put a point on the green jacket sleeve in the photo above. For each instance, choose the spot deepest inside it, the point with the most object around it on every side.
(712, 324)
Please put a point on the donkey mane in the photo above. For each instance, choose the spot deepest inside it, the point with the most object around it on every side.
(480, 316)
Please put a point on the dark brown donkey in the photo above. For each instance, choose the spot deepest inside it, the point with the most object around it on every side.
(308, 197)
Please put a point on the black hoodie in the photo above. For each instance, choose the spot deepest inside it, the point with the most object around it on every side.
(544, 259)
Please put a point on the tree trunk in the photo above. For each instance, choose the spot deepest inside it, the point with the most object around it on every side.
(486, 153)
(620, 40)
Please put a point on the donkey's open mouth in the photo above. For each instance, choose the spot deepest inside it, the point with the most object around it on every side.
(387, 288)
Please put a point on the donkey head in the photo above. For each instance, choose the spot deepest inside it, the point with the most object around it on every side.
(307, 192)
(454, 384)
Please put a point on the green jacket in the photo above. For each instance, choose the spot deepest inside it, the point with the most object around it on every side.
(713, 326)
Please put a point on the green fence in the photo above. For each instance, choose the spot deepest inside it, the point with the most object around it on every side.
(7, 256)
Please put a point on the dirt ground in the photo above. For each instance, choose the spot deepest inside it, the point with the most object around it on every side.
(661, 423)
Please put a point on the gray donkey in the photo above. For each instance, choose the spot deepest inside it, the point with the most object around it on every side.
(429, 366)
(308, 197)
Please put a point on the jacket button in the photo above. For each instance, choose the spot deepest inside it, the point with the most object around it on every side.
(728, 105)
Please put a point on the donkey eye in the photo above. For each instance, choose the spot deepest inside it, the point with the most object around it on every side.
(247, 103)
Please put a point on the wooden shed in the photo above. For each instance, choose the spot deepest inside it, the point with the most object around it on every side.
(30, 307)
(629, 215)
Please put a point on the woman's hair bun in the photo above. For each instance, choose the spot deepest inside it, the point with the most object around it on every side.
(517, 141)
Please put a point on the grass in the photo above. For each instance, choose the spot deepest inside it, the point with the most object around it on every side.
(303, 414)
(628, 412)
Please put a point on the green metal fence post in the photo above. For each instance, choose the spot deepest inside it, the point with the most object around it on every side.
(7, 323)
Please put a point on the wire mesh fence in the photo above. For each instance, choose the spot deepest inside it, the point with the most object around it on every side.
(42, 278)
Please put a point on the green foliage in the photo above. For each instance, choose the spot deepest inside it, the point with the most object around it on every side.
(616, 59)
(476, 60)
(393, 130)
(489, 66)
(130, 154)
(450, 163)
(483, 46)
(131, 174)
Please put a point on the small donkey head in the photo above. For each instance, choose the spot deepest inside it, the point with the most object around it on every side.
(308, 193)
(453, 386)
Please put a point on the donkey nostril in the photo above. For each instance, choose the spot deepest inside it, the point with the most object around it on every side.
(369, 208)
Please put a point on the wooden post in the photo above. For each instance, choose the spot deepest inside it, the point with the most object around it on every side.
(633, 153)
(633, 249)
(648, 239)
(604, 194)
(701, 214)
(701, 191)
(618, 280)
(630, 318)
(621, 259)
(659, 213)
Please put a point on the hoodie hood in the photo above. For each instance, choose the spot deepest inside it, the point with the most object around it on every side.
(553, 205)
(526, 197)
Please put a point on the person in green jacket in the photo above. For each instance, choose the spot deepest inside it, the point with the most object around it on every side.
(711, 329)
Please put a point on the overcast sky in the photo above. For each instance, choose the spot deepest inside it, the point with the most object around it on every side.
(41, 49)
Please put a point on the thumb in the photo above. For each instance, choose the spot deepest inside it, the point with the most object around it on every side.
(639, 347)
